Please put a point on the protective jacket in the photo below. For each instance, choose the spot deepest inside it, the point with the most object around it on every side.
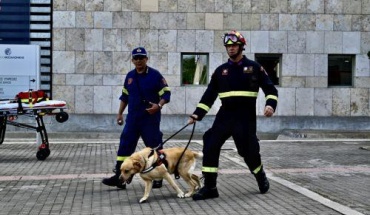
(237, 85)
(140, 89)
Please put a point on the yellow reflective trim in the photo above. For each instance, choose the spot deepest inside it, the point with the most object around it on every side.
(238, 93)
(256, 170)
(122, 158)
(160, 93)
(124, 90)
(209, 169)
(272, 97)
(203, 106)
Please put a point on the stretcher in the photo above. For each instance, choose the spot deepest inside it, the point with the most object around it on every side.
(35, 107)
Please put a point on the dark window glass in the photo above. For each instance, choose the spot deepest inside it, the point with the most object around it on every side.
(340, 70)
(15, 22)
(272, 65)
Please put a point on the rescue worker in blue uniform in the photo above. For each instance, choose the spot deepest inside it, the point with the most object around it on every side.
(145, 91)
(236, 83)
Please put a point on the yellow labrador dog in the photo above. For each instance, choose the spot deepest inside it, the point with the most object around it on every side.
(151, 167)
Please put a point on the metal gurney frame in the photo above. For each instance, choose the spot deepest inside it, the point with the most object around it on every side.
(8, 114)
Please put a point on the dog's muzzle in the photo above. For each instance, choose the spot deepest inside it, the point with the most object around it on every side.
(128, 181)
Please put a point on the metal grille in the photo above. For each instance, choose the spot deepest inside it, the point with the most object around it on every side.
(41, 34)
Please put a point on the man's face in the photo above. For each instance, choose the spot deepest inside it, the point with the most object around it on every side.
(139, 62)
(233, 50)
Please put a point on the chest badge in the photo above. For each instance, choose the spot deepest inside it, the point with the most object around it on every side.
(225, 72)
(129, 81)
(248, 69)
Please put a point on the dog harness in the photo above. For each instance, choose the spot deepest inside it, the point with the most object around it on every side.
(160, 160)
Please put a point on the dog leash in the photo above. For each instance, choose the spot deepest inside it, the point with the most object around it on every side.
(160, 145)
(177, 175)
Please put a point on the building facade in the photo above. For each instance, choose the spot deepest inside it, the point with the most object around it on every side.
(92, 42)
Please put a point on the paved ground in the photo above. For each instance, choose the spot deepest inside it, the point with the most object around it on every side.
(307, 177)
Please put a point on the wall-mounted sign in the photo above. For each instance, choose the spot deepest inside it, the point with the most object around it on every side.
(14, 21)
(19, 69)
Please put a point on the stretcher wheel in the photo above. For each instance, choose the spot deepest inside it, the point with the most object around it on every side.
(61, 117)
(42, 154)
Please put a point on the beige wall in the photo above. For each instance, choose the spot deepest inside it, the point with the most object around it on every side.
(92, 41)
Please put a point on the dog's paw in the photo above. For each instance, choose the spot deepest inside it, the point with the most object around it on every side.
(181, 195)
(187, 195)
(143, 200)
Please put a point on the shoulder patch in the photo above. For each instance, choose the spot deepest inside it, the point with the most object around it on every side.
(164, 81)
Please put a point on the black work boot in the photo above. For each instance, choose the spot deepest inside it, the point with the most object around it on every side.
(157, 184)
(206, 193)
(263, 183)
(114, 180)
(209, 190)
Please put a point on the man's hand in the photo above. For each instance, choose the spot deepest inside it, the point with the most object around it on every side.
(119, 119)
(153, 108)
(269, 111)
(192, 119)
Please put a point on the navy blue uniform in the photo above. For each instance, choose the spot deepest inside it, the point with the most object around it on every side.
(137, 92)
(237, 85)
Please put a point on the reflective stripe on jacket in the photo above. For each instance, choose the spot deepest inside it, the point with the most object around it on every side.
(237, 85)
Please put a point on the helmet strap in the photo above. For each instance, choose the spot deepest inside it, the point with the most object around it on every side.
(241, 49)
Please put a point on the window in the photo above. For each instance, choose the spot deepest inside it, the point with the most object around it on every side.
(194, 69)
(340, 70)
(272, 65)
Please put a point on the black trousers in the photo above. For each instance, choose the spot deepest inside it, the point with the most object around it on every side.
(241, 126)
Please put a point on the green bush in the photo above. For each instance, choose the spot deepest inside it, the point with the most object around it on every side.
(188, 68)
(188, 71)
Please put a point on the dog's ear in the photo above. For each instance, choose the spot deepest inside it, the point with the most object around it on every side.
(137, 165)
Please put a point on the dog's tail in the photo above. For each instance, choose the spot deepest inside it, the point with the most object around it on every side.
(198, 154)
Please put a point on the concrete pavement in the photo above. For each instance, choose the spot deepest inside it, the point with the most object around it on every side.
(307, 176)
